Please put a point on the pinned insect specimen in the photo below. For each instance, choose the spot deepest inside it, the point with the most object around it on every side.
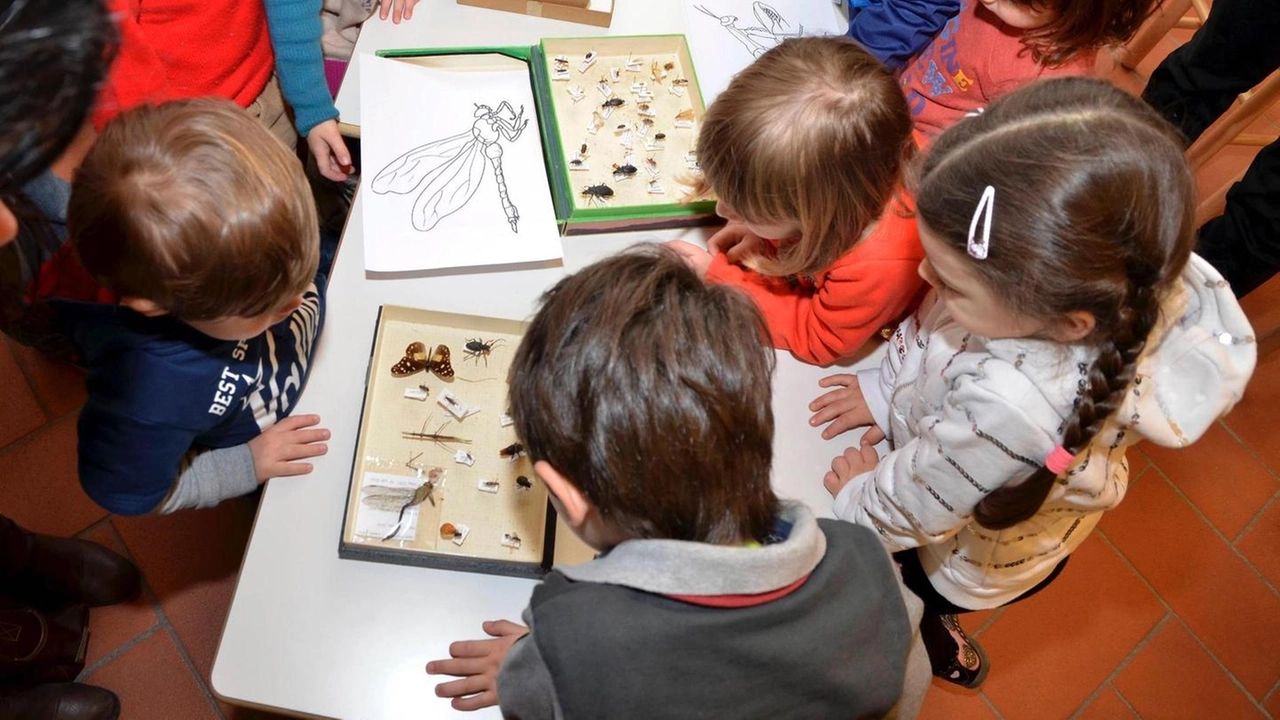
(462, 457)
(456, 533)
(616, 102)
(634, 64)
(587, 61)
(646, 124)
(455, 406)
(680, 82)
(623, 172)
(691, 160)
(645, 96)
(656, 73)
(655, 188)
(416, 360)
(596, 123)
(489, 486)
(684, 118)
(477, 349)
(603, 87)
(561, 73)
(437, 437)
(598, 193)
(419, 393)
(639, 87)
(450, 170)
(387, 498)
(512, 451)
(579, 160)
(668, 66)
(645, 110)
(576, 92)
(506, 420)
(523, 483)
(614, 74)
(676, 90)
(511, 540)
(651, 167)
(627, 140)
(657, 142)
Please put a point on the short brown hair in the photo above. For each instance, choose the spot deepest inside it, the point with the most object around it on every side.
(1094, 212)
(650, 391)
(1083, 25)
(815, 130)
(196, 207)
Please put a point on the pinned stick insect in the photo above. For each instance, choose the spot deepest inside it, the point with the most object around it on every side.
(450, 170)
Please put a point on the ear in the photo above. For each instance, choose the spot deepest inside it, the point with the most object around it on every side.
(1076, 325)
(576, 506)
(143, 306)
(8, 225)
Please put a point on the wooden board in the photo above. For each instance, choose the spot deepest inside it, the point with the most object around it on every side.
(390, 465)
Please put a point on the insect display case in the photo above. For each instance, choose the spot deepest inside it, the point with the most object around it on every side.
(438, 478)
(619, 120)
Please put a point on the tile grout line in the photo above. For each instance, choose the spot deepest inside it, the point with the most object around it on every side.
(1222, 536)
(1213, 656)
(1234, 680)
(1124, 662)
(124, 648)
(990, 705)
(1125, 700)
(1248, 448)
(30, 436)
(26, 376)
(1271, 693)
(1257, 517)
(990, 621)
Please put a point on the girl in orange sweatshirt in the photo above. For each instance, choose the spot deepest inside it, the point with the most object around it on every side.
(805, 152)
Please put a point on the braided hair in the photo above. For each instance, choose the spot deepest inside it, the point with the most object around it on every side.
(1094, 213)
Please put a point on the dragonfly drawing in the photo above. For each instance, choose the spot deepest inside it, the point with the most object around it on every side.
(450, 170)
(757, 39)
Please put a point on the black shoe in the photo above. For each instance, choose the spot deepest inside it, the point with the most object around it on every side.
(62, 701)
(944, 653)
(38, 647)
(67, 571)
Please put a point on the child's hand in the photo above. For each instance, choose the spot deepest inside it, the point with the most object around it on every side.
(477, 663)
(330, 150)
(854, 462)
(276, 449)
(736, 242)
(844, 407)
(396, 9)
(693, 256)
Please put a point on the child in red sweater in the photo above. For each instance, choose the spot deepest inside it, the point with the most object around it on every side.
(805, 151)
(993, 47)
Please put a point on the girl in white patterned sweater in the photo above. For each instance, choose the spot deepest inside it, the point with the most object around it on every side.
(1068, 321)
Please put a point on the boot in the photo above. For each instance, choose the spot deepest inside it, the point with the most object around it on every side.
(61, 701)
(39, 647)
(48, 572)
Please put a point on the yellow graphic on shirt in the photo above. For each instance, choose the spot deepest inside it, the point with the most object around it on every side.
(961, 80)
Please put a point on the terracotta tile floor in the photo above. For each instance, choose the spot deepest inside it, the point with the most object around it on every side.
(1170, 610)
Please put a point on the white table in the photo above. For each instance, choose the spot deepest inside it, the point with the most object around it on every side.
(311, 634)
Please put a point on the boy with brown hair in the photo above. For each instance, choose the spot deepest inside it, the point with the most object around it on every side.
(203, 226)
(643, 397)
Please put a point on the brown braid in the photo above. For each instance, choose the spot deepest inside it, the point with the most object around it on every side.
(1093, 214)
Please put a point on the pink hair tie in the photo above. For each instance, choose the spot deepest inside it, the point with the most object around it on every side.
(1058, 460)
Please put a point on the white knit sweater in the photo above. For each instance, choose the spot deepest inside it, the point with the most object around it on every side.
(966, 415)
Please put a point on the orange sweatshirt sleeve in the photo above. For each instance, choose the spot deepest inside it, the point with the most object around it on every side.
(868, 288)
(137, 75)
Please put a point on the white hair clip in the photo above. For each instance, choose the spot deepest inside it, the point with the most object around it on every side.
(986, 207)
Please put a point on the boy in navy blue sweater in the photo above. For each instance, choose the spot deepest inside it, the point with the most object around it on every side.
(203, 226)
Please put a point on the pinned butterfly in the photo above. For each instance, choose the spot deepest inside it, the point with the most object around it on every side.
(450, 170)
(416, 360)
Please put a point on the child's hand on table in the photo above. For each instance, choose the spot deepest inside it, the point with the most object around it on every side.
(844, 408)
(277, 448)
(736, 242)
(695, 257)
(854, 462)
(477, 663)
(330, 150)
(396, 9)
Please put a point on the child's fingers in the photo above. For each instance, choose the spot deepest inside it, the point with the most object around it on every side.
(872, 436)
(841, 379)
(297, 422)
(868, 454)
(840, 425)
(292, 469)
(470, 648)
(458, 667)
(306, 437)
(469, 685)
(502, 628)
(488, 698)
(309, 450)
(384, 8)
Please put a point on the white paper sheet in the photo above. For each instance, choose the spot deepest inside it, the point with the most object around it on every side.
(432, 196)
(727, 35)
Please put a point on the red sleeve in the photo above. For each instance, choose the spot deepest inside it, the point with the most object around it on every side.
(868, 288)
(137, 76)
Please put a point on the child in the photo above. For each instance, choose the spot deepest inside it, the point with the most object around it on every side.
(712, 597)
(994, 47)
(1068, 321)
(895, 30)
(203, 225)
(805, 151)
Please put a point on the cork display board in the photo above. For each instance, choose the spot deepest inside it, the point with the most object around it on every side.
(438, 477)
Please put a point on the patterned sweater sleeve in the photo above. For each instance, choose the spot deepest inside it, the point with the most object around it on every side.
(989, 430)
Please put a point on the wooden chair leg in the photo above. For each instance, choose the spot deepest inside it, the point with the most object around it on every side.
(1235, 120)
(1214, 205)
(1157, 26)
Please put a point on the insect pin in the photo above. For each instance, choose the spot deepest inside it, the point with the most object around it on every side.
(576, 92)
(634, 64)
(512, 451)
(597, 194)
(477, 349)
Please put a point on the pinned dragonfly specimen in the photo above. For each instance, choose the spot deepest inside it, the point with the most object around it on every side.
(450, 170)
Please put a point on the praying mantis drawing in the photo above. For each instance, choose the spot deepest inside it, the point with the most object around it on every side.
(758, 38)
(450, 170)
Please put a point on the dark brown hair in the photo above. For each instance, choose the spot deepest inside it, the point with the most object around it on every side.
(195, 206)
(1083, 25)
(650, 391)
(1093, 212)
(816, 131)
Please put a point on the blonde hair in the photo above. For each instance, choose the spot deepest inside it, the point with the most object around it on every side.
(196, 207)
(815, 130)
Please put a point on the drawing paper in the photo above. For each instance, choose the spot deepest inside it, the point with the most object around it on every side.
(432, 196)
(727, 35)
